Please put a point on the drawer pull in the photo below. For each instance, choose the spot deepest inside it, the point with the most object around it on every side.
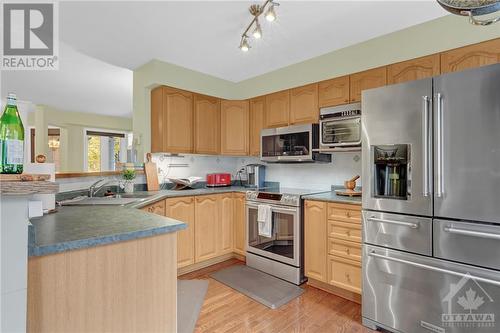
(348, 233)
(401, 223)
(473, 233)
(348, 214)
(348, 278)
(347, 251)
(433, 268)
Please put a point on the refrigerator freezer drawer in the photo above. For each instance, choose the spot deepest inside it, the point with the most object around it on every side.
(411, 293)
(472, 243)
(402, 232)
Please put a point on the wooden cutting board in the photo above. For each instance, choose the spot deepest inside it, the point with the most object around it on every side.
(23, 177)
(350, 193)
(151, 172)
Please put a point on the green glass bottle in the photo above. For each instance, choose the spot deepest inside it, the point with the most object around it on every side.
(11, 138)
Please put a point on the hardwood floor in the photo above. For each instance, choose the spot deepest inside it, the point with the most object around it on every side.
(226, 310)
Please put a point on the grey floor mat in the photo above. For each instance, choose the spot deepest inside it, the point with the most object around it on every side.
(262, 287)
(190, 297)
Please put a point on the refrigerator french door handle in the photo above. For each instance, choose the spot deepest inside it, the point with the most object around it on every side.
(439, 144)
(401, 223)
(434, 268)
(425, 125)
(472, 233)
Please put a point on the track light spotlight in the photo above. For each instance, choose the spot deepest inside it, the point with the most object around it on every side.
(270, 14)
(244, 46)
(257, 32)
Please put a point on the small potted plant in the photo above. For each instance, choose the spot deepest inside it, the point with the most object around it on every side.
(128, 176)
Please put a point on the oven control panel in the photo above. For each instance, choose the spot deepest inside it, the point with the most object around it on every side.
(276, 198)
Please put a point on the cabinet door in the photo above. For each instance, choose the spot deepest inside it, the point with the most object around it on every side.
(334, 92)
(477, 55)
(182, 209)
(226, 219)
(206, 125)
(156, 208)
(178, 121)
(344, 273)
(372, 78)
(304, 104)
(234, 127)
(206, 227)
(239, 224)
(414, 69)
(277, 109)
(157, 120)
(315, 240)
(257, 106)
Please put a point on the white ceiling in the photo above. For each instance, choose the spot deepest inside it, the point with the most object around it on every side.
(82, 84)
(204, 35)
(101, 42)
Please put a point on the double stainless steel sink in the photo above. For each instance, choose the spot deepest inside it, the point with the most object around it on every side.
(115, 200)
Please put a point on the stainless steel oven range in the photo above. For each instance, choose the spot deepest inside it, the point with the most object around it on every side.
(281, 254)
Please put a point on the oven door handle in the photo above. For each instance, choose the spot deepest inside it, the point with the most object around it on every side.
(276, 209)
(433, 268)
(401, 223)
(473, 233)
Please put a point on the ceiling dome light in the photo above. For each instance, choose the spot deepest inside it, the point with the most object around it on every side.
(270, 14)
(244, 46)
(257, 33)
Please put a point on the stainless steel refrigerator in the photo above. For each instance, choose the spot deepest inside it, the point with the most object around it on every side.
(431, 204)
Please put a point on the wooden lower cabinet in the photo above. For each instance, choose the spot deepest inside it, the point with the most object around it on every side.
(239, 223)
(206, 227)
(225, 224)
(156, 208)
(182, 209)
(315, 240)
(344, 273)
(333, 246)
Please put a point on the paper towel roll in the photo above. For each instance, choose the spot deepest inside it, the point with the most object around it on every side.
(48, 200)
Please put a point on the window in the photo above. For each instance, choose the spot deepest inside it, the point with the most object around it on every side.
(106, 151)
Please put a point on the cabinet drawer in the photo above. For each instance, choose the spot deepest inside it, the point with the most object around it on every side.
(345, 213)
(344, 273)
(344, 249)
(346, 231)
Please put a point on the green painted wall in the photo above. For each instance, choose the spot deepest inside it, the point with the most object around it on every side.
(444, 33)
(72, 126)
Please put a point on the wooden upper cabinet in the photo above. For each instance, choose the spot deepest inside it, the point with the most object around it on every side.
(369, 79)
(277, 109)
(333, 92)
(177, 121)
(206, 125)
(157, 120)
(471, 56)
(182, 209)
(234, 127)
(414, 69)
(257, 109)
(304, 104)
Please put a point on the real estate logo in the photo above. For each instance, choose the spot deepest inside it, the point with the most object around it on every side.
(30, 36)
(468, 305)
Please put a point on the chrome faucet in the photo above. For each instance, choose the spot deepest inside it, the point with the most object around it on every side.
(93, 189)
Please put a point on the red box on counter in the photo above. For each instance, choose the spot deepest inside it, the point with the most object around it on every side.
(218, 179)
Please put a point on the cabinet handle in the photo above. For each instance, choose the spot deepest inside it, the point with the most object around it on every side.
(348, 214)
(347, 251)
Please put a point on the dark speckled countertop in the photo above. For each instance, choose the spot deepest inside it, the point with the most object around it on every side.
(76, 227)
(333, 197)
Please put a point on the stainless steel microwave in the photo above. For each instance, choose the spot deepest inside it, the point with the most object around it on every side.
(341, 126)
(291, 144)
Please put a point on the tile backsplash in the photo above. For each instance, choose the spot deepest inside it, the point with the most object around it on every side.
(318, 176)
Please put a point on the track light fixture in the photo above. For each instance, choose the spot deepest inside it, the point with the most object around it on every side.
(256, 11)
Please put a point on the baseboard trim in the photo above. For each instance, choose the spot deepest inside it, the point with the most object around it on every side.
(349, 295)
(209, 262)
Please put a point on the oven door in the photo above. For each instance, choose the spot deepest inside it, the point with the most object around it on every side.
(284, 245)
(341, 132)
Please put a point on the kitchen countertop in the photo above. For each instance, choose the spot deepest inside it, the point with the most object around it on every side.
(333, 197)
(77, 227)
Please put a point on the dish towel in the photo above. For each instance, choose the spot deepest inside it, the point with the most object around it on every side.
(265, 221)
